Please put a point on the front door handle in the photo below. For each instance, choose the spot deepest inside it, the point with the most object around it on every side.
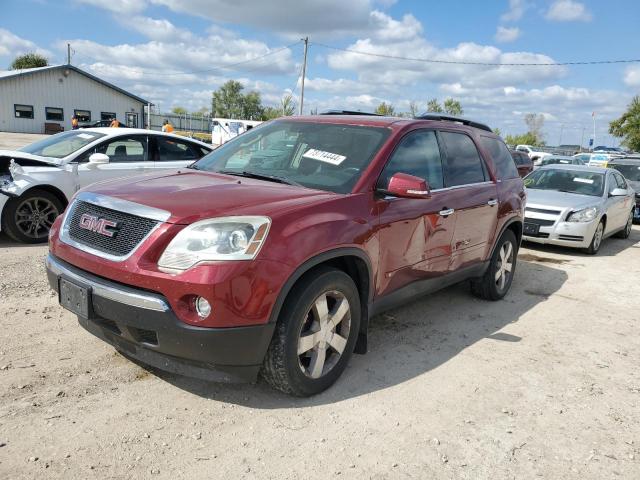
(445, 212)
(493, 202)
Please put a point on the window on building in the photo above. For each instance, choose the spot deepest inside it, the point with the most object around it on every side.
(83, 115)
(107, 115)
(54, 113)
(23, 111)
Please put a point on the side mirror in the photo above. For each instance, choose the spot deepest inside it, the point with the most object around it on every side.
(99, 158)
(404, 185)
(618, 192)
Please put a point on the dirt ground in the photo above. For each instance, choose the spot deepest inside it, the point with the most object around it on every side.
(10, 141)
(544, 384)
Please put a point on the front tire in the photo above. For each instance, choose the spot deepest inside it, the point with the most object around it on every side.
(28, 218)
(596, 241)
(496, 281)
(315, 334)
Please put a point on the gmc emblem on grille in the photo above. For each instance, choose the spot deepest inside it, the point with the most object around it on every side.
(105, 227)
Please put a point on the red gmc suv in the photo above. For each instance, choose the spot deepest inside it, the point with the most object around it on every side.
(271, 254)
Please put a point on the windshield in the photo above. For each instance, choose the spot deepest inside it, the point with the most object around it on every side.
(556, 160)
(327, 157)
(62, 144)
(630, 172)
(570, 181)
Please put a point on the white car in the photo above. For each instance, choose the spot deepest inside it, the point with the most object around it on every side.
(37, 181)
(536, 156)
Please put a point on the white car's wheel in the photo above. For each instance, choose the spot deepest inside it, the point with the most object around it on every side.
(29, 217)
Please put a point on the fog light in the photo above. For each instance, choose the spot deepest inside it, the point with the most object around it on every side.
(202, 307)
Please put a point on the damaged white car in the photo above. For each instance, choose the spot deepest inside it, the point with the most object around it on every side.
(37, 181)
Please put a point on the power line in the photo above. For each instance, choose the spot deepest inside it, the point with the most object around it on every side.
(217, 68)
(488, 64)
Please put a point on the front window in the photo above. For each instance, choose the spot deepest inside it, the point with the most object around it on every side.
(322, 156)
(630, 172)
(62, 144)
(557, 161)
(569, 181)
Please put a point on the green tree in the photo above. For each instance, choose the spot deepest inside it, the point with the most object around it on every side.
(523, 139)
(288, 105)
(229, 102)
(433, 106)
(29, 60)
(385, 109)
(453, 107)
(413, 109)
(627, 126)
(497, 131)
(179, 110)
(535, 122)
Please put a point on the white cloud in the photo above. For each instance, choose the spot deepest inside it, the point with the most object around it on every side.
(118, 6)
(517, 8)
(506, 34)
(632, 76)
(12, 45)
(313, 17)
(568, 11)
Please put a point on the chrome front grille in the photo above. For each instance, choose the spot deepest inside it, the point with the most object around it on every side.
(128, 233)
(109, 227)
(539, 221)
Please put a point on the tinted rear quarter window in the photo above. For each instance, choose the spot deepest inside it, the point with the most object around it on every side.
(463, 162)
(505, 167)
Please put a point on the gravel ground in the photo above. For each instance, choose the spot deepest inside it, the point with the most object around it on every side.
(544, 384)
(11, 141)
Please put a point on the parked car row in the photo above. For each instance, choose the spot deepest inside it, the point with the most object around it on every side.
(270, 254)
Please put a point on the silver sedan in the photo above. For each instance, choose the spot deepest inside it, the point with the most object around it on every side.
(577, 206)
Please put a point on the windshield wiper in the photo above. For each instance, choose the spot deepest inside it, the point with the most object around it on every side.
(260, 176)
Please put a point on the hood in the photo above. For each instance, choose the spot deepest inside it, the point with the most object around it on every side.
(25, 159)
(553, 198)
(194, 195)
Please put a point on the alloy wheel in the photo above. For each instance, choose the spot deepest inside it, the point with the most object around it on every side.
(324, 334)
(629, 224)
(35, 216)
(597, 237)
(504, 266)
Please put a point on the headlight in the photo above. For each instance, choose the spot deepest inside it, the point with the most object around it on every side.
(226, 238)
(584, 215)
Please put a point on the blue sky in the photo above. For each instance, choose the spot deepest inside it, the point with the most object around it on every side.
(151, 46)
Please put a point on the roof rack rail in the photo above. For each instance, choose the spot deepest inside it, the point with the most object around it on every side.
(451, 118)
(348, 112)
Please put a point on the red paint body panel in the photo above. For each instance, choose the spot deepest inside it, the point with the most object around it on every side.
(403, 239)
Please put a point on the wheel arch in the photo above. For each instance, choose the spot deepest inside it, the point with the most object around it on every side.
(515, 225)
(355, 263)
(59, 194)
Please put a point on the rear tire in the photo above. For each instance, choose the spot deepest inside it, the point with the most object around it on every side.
(496, 281)
(624, 233)
(315, 334)
(596, 241)
(28, 218)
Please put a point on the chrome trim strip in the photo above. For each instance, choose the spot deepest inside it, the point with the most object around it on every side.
(102, 288)
(126, 206)
(113, 204)
(456, 187)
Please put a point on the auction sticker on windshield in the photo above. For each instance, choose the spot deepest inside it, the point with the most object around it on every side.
(85, 136)
(322, 156)
(583, 180)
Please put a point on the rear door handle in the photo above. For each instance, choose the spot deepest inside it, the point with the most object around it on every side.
(446, 212)
(493, 202)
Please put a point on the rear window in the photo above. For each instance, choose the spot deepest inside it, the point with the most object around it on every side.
(630, 172)
(464, 165)
(505, 166)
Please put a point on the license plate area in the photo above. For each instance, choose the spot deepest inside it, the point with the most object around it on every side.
(531, 229)
(74, 298)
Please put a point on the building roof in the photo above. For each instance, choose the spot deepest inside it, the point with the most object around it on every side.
(29, 71)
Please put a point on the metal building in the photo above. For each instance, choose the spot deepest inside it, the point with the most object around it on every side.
(35, 98)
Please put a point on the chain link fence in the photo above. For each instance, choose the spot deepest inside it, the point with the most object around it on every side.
(184, 123)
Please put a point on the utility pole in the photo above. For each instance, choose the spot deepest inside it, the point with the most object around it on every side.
(304, 72)
(594, 131)
(561, 129)
(68, 54)
(582, 138)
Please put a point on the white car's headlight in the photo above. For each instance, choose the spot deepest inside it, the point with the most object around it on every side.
(225, 238)
(584, 215)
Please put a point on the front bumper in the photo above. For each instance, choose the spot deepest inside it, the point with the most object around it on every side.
(565, 234)
(141, 325)
(3, 200)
